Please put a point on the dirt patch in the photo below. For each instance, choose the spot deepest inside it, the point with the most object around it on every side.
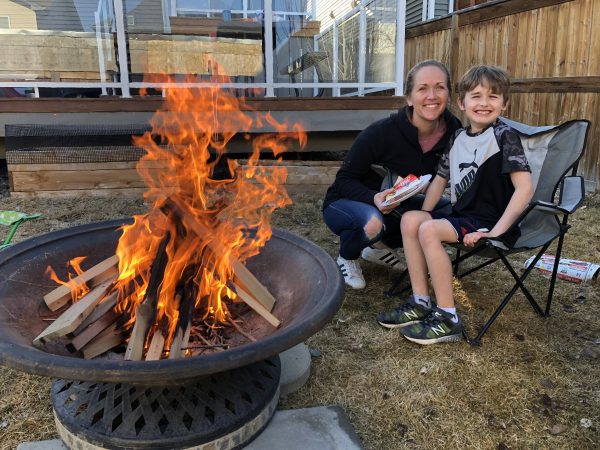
(530, 385)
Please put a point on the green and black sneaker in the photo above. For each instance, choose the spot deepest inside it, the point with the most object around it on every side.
(406, 314)
(436, 327)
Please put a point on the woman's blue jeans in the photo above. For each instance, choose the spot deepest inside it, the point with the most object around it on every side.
(348, 219)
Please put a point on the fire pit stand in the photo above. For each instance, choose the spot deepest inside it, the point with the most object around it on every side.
(222, 411)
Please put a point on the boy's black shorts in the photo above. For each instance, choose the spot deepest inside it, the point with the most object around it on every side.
(462, 225)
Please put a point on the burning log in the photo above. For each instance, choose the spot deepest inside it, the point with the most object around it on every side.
(242, 276)
(184, 323)
(157, 344)
(101, 272)
(146, 311)
(75, 315)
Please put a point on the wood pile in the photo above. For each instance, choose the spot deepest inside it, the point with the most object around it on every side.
(96, 323)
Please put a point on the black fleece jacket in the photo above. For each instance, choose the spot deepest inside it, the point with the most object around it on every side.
(392, 142)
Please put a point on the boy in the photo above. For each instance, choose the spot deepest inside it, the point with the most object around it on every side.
(490, 185)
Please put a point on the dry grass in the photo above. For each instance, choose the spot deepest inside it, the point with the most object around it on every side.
(527, 387)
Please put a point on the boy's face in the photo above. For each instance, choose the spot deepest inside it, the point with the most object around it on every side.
(482, 107)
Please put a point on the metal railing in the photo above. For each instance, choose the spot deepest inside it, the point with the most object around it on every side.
(116, 55)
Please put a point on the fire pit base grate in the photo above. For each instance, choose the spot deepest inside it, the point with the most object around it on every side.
(221, 411)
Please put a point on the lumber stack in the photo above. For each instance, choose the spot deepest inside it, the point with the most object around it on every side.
(104, 178)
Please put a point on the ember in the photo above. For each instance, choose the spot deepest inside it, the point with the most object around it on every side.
(178, 277)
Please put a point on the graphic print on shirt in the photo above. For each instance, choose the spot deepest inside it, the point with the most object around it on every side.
(474, 149)
(467, 178)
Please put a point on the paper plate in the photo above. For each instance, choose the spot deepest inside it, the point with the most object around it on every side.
(409, 191)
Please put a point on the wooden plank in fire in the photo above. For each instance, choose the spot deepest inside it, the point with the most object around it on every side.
(72, 317)
(242, 275)
(101, 272)
(105, 341)
(146, 310)
(99, 311)
(257, 306)
(93, 330)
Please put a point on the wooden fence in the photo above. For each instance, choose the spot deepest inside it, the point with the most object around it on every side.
(551, 49)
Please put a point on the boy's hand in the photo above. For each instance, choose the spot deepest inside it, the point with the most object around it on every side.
(380, 198)
(470, 239)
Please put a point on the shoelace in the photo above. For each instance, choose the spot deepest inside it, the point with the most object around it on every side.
(433, 318)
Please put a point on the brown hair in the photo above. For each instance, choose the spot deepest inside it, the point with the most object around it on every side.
(494, 77)
(409, 84)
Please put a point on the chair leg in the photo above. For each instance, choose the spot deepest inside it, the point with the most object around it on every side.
(392, 291)
(554, 273)
(456, 262)
(519, 279)
(518, 285)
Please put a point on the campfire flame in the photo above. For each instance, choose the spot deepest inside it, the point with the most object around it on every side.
(187, 145)
(77, 290)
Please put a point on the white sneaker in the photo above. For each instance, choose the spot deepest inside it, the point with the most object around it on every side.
(383, 256)
(351, 271)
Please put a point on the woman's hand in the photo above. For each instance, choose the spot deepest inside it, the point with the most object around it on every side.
(380, 198)
(470, 239)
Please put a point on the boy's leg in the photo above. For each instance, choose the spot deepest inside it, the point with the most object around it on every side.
(442, 324)
(418, 305)
(432, 235)
(413, 252)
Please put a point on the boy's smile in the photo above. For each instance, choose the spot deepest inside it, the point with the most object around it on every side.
(482, 107)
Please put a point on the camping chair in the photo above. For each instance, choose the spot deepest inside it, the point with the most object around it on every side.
(553, 153)
(13, 219)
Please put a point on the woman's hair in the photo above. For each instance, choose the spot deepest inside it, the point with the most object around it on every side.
(409, 84)
(493, 77)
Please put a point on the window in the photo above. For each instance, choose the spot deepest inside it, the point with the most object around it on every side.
(4, 22)
(130, 21)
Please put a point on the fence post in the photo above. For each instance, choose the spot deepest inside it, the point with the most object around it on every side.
(400, 31)
(268, 24)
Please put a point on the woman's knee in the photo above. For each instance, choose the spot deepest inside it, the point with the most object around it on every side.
(374, 227)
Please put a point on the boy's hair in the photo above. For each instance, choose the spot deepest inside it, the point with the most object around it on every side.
(494, 77)
(409, 83)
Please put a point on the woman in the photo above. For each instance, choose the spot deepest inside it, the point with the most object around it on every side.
(410, 141)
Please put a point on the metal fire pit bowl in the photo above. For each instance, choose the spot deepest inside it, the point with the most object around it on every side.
(303, 278)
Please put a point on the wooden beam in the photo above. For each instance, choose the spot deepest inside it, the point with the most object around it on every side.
(93, 330)
(555, 85)
(72, 317)
(108, 339)
(95, 275)
(257, 307)
(150, 105)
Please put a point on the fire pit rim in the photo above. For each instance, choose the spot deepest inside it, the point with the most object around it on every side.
(32, 360)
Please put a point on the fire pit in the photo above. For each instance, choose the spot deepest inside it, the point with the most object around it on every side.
(221, 399)
(303, 278)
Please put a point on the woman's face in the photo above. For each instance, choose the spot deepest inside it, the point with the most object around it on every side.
(429, 96)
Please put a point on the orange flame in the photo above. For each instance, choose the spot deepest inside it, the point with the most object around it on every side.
(77, 291)
(188, 142)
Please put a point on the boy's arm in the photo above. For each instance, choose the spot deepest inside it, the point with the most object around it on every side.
(434, 193)
(518, 202)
